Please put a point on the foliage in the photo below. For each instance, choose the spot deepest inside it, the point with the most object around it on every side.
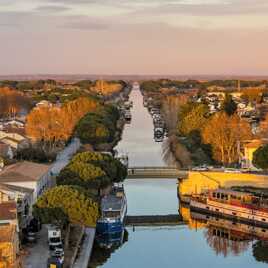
(224, 133)
(92, 170)
(35, 154)
(192, 117)
(253, 94)
(99, 126)
(260, 157)
(112, 167)
(12, 102)
(229, 106)
(54, 124)
(260, 249)
(54, 215)
(74, 203)
(106, 88)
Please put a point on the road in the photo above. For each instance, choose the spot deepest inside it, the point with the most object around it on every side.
(85, 251)
(39, 252)
(64, 156)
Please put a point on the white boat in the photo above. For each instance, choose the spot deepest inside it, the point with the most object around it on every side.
(242, 206)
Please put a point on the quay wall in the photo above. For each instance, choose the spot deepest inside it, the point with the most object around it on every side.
(196, 181)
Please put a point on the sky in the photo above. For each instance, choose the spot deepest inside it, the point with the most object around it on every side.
(161, 37)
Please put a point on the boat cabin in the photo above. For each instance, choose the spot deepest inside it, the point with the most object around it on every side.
(229, 196)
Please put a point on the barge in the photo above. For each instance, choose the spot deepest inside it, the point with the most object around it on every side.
(241, 206)
(113, 212)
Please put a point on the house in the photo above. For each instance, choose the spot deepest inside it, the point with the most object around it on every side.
(28, 175)
(23, 198)
(14, 123)
(44, 103)
(9, 246)
(8, 213)
(6, 151)
(14, 139)
(249, 149)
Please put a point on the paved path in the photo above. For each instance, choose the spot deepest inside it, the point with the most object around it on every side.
(64, 156)
(39, 252)
(85, 251)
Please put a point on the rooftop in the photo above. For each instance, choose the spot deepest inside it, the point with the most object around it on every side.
(23, 171)
(8, 211)
(8, 187)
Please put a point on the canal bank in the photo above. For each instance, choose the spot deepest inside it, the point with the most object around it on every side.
(167, 246)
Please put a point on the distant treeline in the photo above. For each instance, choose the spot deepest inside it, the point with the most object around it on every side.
(155, 85)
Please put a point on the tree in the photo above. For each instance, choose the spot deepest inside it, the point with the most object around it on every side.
(260, 249)
(92, 170)
(224, 133)
(73, 201)
(192, 118)
(12, 102)
(99, 126)
(171, 106)
(260, 157)
(53, 125)
(114, 169)
(49, 215)
(229, 106)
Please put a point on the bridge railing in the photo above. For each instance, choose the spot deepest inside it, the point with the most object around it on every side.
(156, 171)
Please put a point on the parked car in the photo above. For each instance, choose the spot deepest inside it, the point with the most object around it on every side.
(31, 237)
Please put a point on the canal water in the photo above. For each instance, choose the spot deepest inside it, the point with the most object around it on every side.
(201, 243)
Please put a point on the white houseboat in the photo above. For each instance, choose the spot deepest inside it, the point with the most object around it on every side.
(242, 206)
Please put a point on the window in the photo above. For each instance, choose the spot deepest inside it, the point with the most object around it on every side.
(263, 219)
(234, 213)
(111, 214)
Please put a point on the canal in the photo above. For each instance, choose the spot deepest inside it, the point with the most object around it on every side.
(200, 243)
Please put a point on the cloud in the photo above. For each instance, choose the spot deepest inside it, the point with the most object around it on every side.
(52, 8)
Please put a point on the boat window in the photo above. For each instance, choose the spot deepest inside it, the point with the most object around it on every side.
(214, 195)
(218, 195)
(111, 214)
(263, 219)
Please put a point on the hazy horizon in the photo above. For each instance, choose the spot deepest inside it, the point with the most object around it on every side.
(123, 37)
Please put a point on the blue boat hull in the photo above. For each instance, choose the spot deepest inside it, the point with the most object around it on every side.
(109, 227)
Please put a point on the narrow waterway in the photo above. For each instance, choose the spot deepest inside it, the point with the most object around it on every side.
(137, 140)
(201, 243)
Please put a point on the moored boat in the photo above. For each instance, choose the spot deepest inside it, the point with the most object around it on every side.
(242, 206)
(113, 212)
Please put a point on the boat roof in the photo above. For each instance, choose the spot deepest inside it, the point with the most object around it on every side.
(231, 192)
(111, 203)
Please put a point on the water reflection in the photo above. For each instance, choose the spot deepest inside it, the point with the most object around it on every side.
(229, 238)
(105, 246)
(137, 140)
